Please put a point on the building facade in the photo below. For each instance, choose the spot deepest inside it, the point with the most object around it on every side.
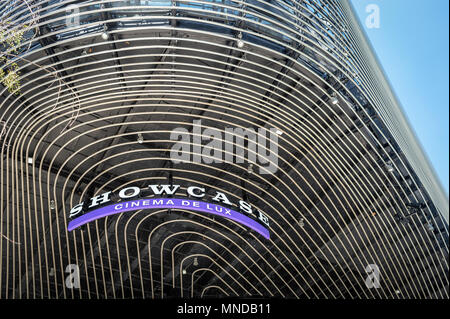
(354, 209)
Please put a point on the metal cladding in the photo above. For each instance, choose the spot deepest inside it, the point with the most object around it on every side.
(104, 83)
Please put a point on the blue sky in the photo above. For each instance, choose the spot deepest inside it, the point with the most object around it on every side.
(412, 44)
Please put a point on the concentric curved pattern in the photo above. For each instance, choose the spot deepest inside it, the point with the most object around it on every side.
(349, 168)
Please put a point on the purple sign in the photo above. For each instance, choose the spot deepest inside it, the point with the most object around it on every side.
(174, 203)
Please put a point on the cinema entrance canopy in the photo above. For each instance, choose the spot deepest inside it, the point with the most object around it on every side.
(103, 85)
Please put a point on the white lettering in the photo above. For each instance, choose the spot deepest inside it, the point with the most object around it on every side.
(192, 191)
(77, 209)
(100, 199)
(221, 197)
(167, 189)
(135, 191)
